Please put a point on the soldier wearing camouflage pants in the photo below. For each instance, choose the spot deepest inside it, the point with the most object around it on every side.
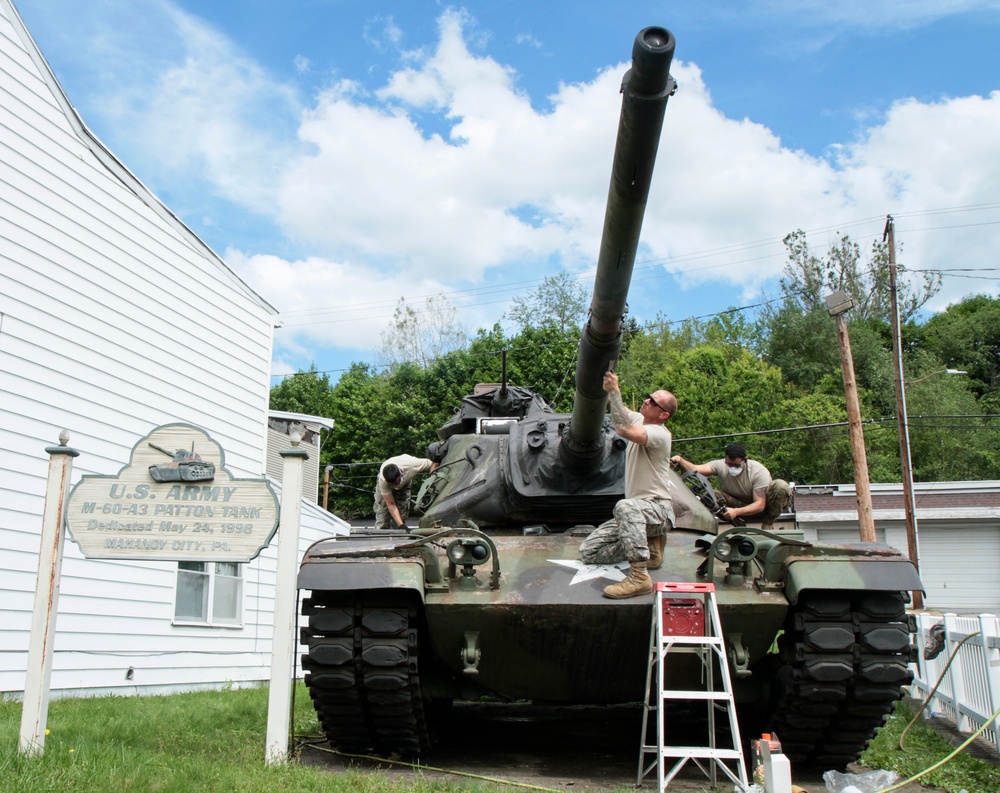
(392, 489)
(641, 519)
(747, 489)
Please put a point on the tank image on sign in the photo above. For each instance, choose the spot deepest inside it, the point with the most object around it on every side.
(185, 508)
(489, 599)
(185, 466)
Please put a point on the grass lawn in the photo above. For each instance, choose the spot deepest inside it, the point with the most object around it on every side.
(214, 741)
(924, 747)
(183, 743)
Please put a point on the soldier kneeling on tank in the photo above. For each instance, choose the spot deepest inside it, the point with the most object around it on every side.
(747, 488)
(638, 531)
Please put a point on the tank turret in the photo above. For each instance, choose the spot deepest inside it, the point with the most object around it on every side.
(506, 457)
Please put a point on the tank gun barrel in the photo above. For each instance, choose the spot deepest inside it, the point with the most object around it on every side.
(646, 88)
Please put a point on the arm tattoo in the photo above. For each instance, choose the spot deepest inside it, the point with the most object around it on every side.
(619, 413)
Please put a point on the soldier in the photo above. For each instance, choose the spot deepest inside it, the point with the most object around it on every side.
(392, 489)
(638, 531)
(747, 487)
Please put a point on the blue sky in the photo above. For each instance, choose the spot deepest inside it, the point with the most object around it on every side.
(342, 154)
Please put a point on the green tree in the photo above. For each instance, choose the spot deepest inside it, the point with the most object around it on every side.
(944, 444)
(542, 359)
(967, 336)
(560, 300)
(306, 392)
(803, 344)
(820, 454)
(358, 444)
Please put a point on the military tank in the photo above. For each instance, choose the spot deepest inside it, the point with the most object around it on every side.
(487, 598)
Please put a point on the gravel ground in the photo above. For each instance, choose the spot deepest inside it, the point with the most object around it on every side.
(566, 748)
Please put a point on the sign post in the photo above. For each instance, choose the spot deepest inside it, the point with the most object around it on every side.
(283, 638)
(35, 709)
(175, 500)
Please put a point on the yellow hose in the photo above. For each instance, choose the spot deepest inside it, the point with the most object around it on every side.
(944, 760)
(930, 696)
(418, 767)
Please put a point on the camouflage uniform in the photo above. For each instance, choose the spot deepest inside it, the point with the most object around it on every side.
(409, 467)
(624, 537)
(383, 520)
(646, 511)
(754, 479)
(778, 496)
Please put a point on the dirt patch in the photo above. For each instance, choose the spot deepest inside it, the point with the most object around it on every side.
(565, 748)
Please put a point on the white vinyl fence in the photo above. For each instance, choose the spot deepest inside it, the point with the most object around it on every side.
(969, 688)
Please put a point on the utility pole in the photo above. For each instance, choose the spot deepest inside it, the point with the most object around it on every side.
(326, 486)
(909, 506)
(838, 305)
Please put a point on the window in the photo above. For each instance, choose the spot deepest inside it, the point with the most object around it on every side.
(209, 592)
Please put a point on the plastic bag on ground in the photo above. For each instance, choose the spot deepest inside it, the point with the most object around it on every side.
(868, 782)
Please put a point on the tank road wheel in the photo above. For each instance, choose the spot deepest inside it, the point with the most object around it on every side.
(845, 660)
(362, 674)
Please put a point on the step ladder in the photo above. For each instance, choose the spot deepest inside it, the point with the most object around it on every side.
(685, 623)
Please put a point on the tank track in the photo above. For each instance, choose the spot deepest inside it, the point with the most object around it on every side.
(362, 675)
(845, 660)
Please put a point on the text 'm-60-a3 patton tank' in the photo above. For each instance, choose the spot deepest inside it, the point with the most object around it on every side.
(488, 599)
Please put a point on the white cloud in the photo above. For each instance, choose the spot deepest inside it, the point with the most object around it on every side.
(447, 173)
(326, 302)
(925, 162)
(377, 187)
(383, 34)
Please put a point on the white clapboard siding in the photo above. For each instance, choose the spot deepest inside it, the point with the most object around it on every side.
(114, 615)
(278, 441)
(842, 536)
(958, 565)
(114, 319)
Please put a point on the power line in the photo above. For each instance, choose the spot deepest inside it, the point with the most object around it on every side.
(873, 422)
(678, 259)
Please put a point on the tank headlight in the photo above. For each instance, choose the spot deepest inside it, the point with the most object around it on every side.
(736, 548)
(468, 551)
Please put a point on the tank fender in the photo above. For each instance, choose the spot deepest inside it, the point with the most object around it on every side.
(362, 575)
(882, 575)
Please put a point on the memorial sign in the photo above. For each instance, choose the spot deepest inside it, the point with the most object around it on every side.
(174, 501)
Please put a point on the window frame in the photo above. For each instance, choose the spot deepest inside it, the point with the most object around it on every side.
(213, 577)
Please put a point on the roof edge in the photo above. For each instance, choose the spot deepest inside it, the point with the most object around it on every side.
(115, 166)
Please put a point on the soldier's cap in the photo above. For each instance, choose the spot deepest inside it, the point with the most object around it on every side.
(391, 473)
(734, 450)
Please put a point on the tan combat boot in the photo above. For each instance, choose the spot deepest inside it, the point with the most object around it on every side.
(637, 583)
(656, 545)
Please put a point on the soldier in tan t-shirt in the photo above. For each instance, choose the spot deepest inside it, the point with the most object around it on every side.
(392, 489)
(747, 489)
(641, 519)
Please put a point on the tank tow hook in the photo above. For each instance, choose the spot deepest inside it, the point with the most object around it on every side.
(739, 658)
(471, 653)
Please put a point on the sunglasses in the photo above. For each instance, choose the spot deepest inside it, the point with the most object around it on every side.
(650, 398)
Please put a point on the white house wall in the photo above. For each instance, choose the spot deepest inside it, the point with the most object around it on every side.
(114, 319)
(959, 565)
